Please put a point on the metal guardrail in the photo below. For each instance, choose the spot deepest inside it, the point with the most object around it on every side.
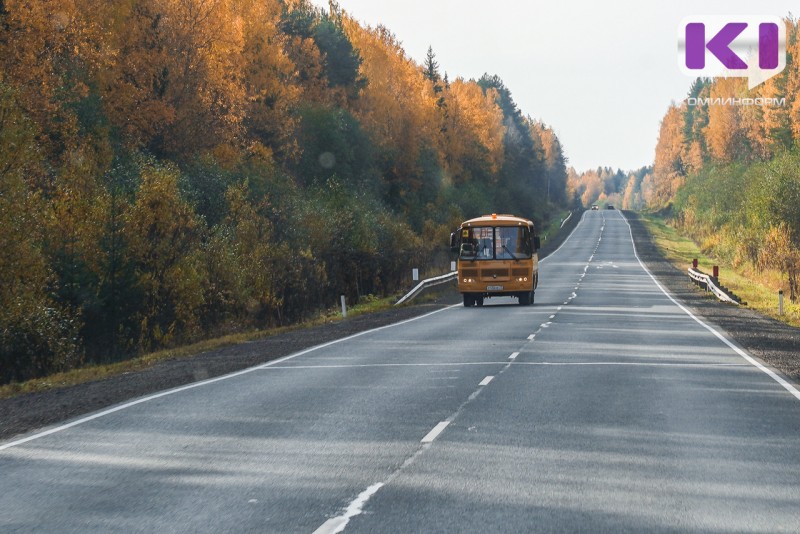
(430, 282)
(709, 283)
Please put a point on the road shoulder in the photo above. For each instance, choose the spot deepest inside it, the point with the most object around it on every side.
(774, 343)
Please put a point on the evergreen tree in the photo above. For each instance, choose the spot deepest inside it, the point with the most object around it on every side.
(522, 175)
(431, 68)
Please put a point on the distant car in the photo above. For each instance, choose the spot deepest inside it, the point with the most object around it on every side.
(595, 207)
(610, 207)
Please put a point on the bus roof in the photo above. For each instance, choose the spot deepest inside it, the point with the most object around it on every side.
(497, 220)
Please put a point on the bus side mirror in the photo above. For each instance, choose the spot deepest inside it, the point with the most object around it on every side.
(537, 244)
(453, 242)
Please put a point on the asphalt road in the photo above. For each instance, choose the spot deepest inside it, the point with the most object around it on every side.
(603, 407)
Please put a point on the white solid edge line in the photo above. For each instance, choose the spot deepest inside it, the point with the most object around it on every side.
(434, 433)
(193, 385)
(769, 372)
(485, 381)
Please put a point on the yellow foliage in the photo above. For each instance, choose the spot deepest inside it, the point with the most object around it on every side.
(724, 133)
(669, 166)
(474, 120)
(162, 233)
(397, 106)
(269, 77)
(780, 252)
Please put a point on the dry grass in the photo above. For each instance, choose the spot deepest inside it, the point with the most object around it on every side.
(758, 289)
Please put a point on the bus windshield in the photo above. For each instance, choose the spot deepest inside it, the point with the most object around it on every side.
(496, 243)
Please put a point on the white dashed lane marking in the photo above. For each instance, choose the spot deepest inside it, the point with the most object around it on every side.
(433, 434)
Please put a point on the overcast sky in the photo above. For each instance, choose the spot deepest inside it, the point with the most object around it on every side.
(601, 73)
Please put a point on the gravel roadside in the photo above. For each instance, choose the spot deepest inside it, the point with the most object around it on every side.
(774, 343)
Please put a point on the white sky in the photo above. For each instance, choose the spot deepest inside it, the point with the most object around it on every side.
(601, 73)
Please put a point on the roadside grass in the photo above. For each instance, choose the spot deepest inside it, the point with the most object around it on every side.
(758, 289)
(81, 375)
(551, 230)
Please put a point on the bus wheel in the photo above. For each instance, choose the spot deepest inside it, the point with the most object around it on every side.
(524, 299)
(469, 300)
(479, 301)
(533, 296)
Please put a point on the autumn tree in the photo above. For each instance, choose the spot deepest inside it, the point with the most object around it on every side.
(632, 197)
(174, 84)
(780, 251)
(41, 47)
(37, 335)
(554, 159)
(791, 86)
(724, 132)
(243, 265)
(394, 107)
(592, 188)
(669, 170)
(776, 127)
(163, 235)
(328, 65)
(271, 89)
(474, 133)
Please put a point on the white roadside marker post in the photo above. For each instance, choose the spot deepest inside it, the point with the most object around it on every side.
(344, 307)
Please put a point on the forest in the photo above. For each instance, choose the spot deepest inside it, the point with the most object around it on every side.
(729, 175)
(173, 170)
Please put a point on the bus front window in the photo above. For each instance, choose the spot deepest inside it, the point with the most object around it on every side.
(496, 243)
(478, 244)
(513, 243)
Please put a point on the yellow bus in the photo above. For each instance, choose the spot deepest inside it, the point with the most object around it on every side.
(497, 256)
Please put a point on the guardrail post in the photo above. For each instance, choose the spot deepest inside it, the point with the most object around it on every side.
(780, 302)
(344, 307)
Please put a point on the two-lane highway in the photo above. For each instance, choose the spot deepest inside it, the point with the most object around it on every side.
(604, 406)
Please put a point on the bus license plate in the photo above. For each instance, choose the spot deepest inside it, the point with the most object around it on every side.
(494, 288)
